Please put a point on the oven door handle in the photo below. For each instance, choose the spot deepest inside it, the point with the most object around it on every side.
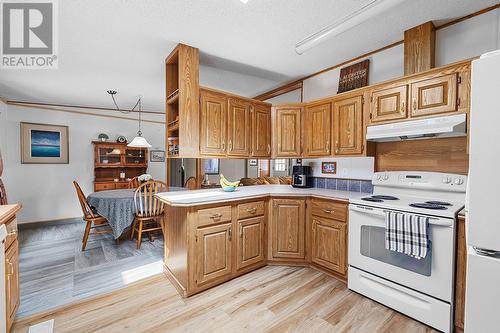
(381, 212)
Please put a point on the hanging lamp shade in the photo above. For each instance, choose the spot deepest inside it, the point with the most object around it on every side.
(139, 142)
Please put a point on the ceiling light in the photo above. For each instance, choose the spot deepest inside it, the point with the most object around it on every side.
(244, 1)
(372, 9)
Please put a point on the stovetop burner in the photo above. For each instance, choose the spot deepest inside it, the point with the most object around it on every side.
(371, 199)
(384, 197)
(427, 205)
(439, 203)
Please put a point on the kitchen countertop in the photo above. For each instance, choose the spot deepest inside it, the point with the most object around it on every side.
(211, 196)
(7, 212)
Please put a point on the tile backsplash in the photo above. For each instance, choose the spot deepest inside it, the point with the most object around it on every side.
(354, 185)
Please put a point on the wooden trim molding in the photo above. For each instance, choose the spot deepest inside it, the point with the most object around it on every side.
(295, 85)
(48, 108)
(301, 80)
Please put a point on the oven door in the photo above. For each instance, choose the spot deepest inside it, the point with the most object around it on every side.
(432, 275)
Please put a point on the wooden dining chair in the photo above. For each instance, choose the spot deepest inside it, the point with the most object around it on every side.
(134, 182)
(148, 210)
(190, 183)
(95, 222)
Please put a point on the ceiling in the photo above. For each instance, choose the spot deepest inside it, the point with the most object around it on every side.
(245, 48)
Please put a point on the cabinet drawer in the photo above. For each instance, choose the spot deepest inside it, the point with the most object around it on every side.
(122, 185)
(11, 227)
(329, 209)
(214, 215)
(104, 186)
(250, 209)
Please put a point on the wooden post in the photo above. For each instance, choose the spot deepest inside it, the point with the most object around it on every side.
(419, 48)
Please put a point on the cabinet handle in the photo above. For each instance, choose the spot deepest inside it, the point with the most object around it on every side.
(402, 110)
(268, 148)
(414, 104)
(230, 145)
(12, 233)
(241, 230)
(11, 267)
(216, 216)
(328, 146)
(328, 211)
(223, 145)
(230, 233)
(336, 147)
(252, 210)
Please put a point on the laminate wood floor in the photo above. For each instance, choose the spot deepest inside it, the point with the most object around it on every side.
(54, 271)
(271, 299)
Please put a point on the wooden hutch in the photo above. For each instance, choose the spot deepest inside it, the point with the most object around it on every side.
(112, 158)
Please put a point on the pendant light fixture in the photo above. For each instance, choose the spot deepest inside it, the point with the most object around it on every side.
(139, 141)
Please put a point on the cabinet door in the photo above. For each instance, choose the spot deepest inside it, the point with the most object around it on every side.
(389, 104)
(287, 131)
(329, 246)
(437, 95)
(213, 124)
(12, 283)
(250, 242)
(317, 129)
(213, 253)
(288, 229)
(261, 131)
(239, 128)
(348, 126)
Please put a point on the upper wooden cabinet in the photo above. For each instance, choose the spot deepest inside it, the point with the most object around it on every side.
(261, 131)
(317, 129)
(389, 104)
(348, 126)
(287, 131)
(213, 123)
(435, 95)
(239, 128)
(287, 229)
(213, 253)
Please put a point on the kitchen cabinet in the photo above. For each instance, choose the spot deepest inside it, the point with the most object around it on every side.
(348, 126)
(287, 127)
(434, 95)
(329, 244)
(261, 131)
(12, 282)
(317, 129)
(213, 252)
(287, 229)
(388, 104)
(213, 123)
(250, 242)
(239, 128)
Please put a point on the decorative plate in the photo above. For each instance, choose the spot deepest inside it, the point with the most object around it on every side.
(121, 139)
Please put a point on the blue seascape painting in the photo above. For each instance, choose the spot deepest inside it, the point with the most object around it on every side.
(45, 144)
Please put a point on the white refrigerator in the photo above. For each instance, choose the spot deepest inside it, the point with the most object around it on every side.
(483, 199)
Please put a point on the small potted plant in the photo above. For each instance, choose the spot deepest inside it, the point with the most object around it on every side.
(103, 137)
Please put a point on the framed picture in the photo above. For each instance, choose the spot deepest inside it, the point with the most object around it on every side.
(157, 156)
(329, 167)
(354, 76)
(44, 144)
(252, 162)
(211, 166)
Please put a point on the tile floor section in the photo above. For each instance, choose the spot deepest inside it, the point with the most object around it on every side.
(54, 271)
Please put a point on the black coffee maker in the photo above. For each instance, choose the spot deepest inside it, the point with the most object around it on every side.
(302, 176)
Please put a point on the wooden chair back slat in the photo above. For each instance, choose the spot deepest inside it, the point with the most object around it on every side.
(87, 211)
(134, 183)
(146, 204)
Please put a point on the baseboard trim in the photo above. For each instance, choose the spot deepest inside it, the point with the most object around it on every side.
(64, 220)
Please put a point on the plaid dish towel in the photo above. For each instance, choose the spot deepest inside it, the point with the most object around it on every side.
(407, 233)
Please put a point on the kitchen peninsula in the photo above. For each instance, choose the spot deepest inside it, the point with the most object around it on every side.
(212, 236)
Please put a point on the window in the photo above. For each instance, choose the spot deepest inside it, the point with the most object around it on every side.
(280, 165)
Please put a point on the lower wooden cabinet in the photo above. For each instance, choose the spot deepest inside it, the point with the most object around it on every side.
(250, 242)
(329, 244)
(287, 229)
(12, 282)
(213, 253)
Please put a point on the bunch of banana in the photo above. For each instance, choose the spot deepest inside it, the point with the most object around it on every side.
(227, 184)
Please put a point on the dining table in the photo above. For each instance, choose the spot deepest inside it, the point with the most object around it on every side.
(118, 207)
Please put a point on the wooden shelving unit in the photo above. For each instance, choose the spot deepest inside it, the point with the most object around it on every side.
(182, 102)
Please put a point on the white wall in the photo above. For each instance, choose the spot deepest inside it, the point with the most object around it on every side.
(293, 96)
(46, 190)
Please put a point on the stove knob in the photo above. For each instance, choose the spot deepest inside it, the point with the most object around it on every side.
(459, 181)
(446, 180)
(379, 177)
(386, 176)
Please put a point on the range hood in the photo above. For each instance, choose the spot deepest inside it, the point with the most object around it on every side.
(439, 127)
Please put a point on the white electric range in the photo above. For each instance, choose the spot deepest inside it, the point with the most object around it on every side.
(420, 288)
